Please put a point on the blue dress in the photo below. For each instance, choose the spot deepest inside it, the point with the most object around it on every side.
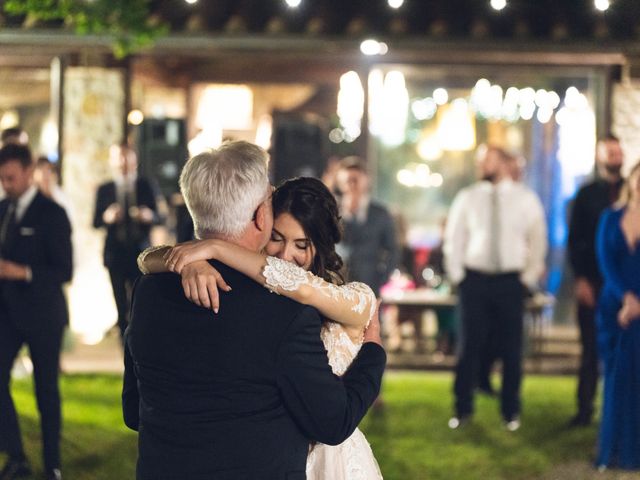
(619, 349)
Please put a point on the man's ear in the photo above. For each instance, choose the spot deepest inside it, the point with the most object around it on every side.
(261, 217)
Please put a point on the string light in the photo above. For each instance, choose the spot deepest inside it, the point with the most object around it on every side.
(395, 3)
(293, 3)
(498, 4)
(191, 2)
(602, 5)
(373, 47)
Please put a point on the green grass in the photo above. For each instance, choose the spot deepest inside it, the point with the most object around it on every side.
(410, 437)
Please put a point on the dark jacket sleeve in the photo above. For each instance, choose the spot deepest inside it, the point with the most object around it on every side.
(58, 251)
(130, 394)
(100, 207)
(579, 236)
(325, 407)
(390, 244)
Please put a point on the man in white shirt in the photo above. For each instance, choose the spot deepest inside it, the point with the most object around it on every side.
(495, 245)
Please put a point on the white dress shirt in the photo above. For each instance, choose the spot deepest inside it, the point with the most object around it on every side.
(522, 245)
(24, 201)
(360, 215)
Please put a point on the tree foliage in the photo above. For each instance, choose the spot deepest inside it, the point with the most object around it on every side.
(129, 22)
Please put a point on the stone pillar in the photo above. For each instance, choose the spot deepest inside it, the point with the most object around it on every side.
(93, 112)
(625, 113)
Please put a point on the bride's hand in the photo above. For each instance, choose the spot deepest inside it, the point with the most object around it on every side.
(200, 282)
(177, 257)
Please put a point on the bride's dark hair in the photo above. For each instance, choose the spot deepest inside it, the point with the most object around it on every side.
(315, 208)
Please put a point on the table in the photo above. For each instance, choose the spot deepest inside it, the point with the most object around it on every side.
(537, 309)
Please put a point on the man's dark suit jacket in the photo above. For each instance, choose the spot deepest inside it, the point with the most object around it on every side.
(591, 200)
(372, 251)
(116, 252)
(41, 240)
(240, 394)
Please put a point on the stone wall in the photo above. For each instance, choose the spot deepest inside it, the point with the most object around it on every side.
(93, 113)
(625, 111)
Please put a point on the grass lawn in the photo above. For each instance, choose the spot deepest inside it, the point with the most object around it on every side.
(410, 437)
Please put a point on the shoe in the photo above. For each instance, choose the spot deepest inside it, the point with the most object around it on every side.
(54, 474)
(512, 424)
(579, 421)
(15, 469)
(458, 422)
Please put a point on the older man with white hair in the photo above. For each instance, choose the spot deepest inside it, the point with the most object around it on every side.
(240, 393)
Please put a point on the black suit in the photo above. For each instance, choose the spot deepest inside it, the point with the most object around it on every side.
(370, 248)
(240, 394)
(35, 313)
(124, 242)
(591, 200)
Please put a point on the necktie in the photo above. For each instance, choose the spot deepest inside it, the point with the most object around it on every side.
(7, 226)
(494, 231)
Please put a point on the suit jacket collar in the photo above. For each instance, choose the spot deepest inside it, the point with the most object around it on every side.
(32, 209)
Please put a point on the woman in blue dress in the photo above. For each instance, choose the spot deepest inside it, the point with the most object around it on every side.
(618, 329)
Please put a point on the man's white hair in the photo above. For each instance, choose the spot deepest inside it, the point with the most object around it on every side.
(222, 188)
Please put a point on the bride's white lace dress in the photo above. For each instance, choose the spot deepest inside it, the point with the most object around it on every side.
(353, 458)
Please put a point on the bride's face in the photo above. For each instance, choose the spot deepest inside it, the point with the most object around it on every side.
(289, 242)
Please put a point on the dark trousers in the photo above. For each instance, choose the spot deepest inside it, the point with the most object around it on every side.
(122, 280)
(588, 373)
(44, 349)
(491, 310)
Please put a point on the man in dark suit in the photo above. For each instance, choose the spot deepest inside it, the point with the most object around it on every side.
(591, 200)
(369, 244)
(126, 207)
(239, 394)
(35, 249)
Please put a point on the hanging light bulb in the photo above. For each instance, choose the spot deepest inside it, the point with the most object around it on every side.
(293, 3)
(602, 5)
(498, 4)
(191, 2)
(395, 3)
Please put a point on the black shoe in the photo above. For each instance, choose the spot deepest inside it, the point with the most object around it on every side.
(579, 421)
(54, 474)
(459, 421)
(15, 469)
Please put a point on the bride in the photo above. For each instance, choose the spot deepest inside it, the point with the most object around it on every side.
(301, 263)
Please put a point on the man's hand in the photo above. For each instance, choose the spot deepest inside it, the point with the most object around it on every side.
(142, 214)
(584, 292)
(12, 271)
(112, 214)
(372, 333)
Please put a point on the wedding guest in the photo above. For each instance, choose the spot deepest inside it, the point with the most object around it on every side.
(495, 244)
(46, 178)
(369, 246)
(591, 200)
(35, 247)
(126, 208)
(618, 329)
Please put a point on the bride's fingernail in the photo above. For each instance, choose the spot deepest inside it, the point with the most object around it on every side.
(228, 288)
(215, 310)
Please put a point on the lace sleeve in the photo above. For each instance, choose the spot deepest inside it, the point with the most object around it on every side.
(352, 304)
